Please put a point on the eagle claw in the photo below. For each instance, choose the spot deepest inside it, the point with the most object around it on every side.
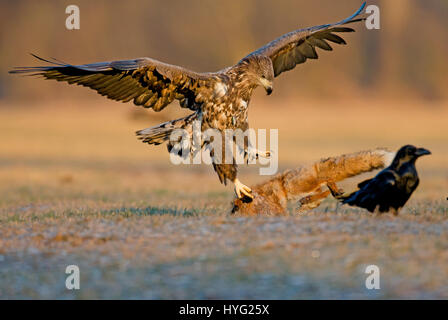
(266, 154)
(252, 156)
(243, 192)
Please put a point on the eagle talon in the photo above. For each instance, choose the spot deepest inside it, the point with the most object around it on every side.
(242, 191)
(253, 156)
(266, 154)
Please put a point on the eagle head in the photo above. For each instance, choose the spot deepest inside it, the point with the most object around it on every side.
(266, 73)
(260, 72)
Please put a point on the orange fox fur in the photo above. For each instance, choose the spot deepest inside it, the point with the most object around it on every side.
(306, 182)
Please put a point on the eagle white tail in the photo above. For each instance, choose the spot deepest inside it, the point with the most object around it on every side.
(161, 133)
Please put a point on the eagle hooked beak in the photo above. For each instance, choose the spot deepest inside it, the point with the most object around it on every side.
(267, 85)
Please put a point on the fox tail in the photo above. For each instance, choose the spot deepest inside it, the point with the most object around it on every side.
(349, 165)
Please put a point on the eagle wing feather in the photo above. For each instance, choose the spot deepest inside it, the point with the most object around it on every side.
(148, 82)
(297, 46)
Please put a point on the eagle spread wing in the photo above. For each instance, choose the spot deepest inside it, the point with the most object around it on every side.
(297, 46)
(150, 83)
(154, 84)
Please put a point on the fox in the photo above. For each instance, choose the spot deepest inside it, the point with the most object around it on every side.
(310, 184)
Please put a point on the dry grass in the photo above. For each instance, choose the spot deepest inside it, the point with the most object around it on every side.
(77, 187)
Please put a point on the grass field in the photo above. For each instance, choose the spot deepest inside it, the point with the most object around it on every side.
(78, 188)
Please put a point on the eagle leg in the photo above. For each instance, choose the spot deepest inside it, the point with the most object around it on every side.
(253, 154)
(242, 191)
(264, 154)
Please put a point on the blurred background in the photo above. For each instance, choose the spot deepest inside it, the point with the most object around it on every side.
(406, 58)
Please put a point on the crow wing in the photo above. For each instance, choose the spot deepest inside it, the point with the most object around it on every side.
(297, 46)
(148, 82)
(364, 183)
(374, 191)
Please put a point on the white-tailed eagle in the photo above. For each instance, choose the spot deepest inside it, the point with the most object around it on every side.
(220, 100)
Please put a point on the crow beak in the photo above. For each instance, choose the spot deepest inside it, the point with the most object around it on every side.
(269, 90)
(421, 152)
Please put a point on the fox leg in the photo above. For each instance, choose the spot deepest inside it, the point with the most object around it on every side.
(313, 198)
(335, 190)
(312, 201)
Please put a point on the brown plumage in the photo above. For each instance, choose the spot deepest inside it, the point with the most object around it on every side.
(307, 184)
(219, 100)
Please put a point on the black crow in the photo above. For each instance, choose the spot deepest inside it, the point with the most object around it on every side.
(390, 189)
